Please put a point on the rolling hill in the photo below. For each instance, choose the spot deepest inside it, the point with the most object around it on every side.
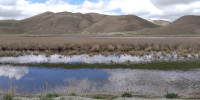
(67, 22)
(189, 24)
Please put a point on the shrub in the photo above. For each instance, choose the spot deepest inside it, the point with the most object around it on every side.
(171, 95)
(126, 94)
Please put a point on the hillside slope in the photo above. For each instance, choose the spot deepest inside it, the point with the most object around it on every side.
(120, 24)
(160, 22)
(7, 27)
(67, 22)
(185, 25)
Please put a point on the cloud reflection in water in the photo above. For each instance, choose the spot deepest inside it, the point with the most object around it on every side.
(146, 82)
(86, 58)
(13, 72)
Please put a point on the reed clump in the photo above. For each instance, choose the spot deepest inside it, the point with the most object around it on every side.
(95, 48)
(111, 48)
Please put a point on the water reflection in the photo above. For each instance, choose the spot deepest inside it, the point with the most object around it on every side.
(92, 59)
(146, 82)
(13, 72)
(110, 81)
(155, 82)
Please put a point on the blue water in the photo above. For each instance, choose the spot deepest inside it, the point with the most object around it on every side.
(39, 77)
(107, 81)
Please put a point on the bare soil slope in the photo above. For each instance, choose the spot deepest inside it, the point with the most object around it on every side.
(50, 23)
(160, 22)
(120, 24)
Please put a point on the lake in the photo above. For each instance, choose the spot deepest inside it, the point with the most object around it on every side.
(33, 79)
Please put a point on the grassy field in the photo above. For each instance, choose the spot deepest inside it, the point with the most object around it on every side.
(5, 24)
(96, 45)
(157, 65)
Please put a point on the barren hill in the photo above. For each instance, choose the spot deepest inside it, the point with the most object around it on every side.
(185, 25)
(120, 24)
(50, 23)
(67, 22)
(160, 22)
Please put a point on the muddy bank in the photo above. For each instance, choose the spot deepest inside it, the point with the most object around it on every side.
(84, 98)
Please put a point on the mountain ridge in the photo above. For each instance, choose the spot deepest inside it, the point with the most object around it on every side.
(68, 22)
(189, 24)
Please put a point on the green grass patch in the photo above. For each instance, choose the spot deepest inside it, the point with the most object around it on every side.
(101, 96)
(7, 97)
(44, 98)
(157, 65)
(126, 94)
(171, 95)
(52, 95)
(72, 94)
(5, 24)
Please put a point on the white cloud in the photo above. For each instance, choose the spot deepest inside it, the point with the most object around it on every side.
(8, 2)
(148, 9)
(138, 7)
(13, 72)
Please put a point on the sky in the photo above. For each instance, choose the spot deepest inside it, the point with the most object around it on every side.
(148, 9)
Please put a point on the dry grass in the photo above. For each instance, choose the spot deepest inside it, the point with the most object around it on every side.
(86, 45)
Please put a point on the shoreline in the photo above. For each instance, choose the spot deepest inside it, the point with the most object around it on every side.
(91, 97)
(156, 65)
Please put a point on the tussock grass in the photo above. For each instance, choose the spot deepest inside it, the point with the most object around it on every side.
(86, 45)
(126, 94)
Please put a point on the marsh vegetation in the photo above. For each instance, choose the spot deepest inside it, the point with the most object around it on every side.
(19, 45)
